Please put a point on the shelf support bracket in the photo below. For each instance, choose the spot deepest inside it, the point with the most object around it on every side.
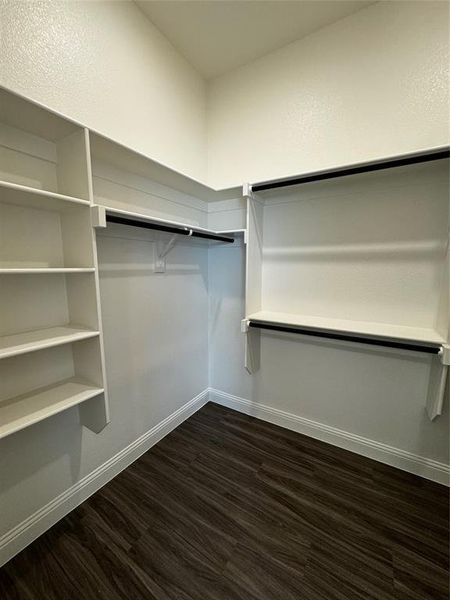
(161, 251)
(244, 326)
(98, 216)
(247, 190)
(93, 414)
(252, 347)
(438, 381)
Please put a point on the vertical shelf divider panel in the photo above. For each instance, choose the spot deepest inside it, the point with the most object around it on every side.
(94, 413)
(439, 377)
(442, 324)
(73, 170)
(253, 277)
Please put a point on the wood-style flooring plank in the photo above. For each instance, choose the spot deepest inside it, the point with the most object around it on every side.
(227, 507)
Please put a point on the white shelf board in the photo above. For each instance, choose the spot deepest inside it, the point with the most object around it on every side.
(33, 117)
(114, 153)
(336, 170)
(366, 328)
(49, 270)
(23, 411)
(23, 195)
(149, 219)
(31, 341)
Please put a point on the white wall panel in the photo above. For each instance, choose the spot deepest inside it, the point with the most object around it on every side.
(227, 214)
(366, 248)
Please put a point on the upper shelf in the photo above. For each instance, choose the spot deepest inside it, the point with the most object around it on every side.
(25, 115)
(20, 112)
(108, 151)
(22, 195)
(403, 333)
(140, 220)
(17, 111)
(412, 158)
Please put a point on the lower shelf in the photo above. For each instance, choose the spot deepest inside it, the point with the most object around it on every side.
(364, 328)
(23, 411)
(47, 270)
(30, 341)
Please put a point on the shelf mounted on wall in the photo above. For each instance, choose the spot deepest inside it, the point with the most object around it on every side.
(142, 221)
(367, 167)
(439, 351)
(103, 215)
(403, 339)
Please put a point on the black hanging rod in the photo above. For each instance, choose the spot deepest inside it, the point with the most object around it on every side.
(362, 168)
(169, 229)
(417, 347)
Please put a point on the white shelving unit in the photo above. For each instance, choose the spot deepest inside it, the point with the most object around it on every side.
(40, 149)
(34, 237)
(51, 341)
(366, 257)
(157, 221)
(386, 331)
(129, 184)
(51, 346)
(352, 263)
(107, 152)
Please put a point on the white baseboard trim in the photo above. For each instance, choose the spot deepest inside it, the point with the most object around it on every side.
(407, 461)
(15, 540)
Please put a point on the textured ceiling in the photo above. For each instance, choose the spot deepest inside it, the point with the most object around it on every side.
(217, 36)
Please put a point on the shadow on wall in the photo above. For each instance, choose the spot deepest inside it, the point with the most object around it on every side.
(426, 250)
(125, 252)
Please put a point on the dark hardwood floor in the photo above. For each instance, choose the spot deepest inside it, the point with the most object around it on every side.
(230, 508)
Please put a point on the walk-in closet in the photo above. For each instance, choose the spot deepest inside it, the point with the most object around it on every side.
(224, 300)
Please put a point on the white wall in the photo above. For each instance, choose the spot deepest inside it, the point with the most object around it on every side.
(104, 64)
(371, 85)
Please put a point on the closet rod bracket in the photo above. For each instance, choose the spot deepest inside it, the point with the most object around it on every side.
(247, 190)
(437, 382)
(444, 354)
(98, 216)
(161, 251)
(244, 325)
